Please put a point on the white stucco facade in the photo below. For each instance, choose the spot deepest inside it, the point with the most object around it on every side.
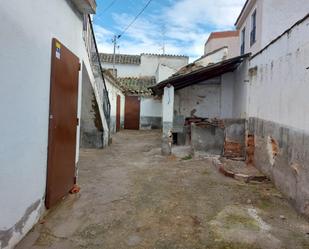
(113, 92)
(151, 107)
(278, 89)
(273, 18)
(25, 63)
(231, 43)
(148, 66)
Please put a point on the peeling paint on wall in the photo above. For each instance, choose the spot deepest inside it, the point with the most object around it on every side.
(273, 149)
(6, 235)
(250, 149)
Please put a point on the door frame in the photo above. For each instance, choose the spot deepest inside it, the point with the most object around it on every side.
(118, 113)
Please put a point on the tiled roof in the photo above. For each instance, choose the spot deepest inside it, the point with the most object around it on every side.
(165, 55)
(121, 59)
(139, 86)
(110, 77)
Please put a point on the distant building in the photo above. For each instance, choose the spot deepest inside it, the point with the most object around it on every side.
(221, 40)
(136, 74)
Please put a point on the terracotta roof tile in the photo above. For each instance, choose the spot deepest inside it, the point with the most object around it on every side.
(139, 86)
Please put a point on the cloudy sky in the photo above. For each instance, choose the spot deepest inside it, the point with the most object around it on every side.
(181, 26)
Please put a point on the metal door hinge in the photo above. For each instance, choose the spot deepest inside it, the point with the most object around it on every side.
(77, 121)
(79, 66)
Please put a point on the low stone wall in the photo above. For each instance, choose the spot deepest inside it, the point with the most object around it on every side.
(282, 153)
(222, 137)
(235, 137)
(208, 139)
(150, 123)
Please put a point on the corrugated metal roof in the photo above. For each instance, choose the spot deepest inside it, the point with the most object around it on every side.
(121, 59)
(193, 74)
(138, 86)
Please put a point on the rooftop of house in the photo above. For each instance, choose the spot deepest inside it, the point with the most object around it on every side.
(222, 34)
(195, 73)
(137, 85)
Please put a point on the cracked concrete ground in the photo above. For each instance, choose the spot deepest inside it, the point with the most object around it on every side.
(132, 197)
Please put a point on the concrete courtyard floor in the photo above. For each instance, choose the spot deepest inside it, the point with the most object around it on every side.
(132, 197)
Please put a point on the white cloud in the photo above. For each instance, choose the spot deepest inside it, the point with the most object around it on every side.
(185, 23)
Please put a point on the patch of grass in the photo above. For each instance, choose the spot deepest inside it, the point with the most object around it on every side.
(188, 157)
(205, 172)
(248, 223)
(232, 245)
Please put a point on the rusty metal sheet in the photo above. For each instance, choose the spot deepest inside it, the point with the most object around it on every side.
(62, 123)
(118, 107)
(132, 113)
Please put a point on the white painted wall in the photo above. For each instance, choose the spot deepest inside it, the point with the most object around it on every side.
(240, 101)
(25, 61)
(200, 100)
(246, 23)
(273, 18)
(279, 90)
(280, 15)
(151, 107)
(124, 70)
(164, 72)
(227, 95)
(215, 57)
(149, 65)
(231, 42)
(168, 105)
(113, 92)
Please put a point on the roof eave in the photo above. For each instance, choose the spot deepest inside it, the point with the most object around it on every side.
(202, 74)
(85, 6)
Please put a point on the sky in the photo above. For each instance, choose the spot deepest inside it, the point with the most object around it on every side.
(181, 27)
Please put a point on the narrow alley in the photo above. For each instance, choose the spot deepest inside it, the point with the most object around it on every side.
(133, 197)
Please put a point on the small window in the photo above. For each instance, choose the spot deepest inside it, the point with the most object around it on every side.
(243, 41)
(253, 29)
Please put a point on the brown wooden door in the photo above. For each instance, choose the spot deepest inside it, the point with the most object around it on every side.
(118, 106)
(132, 113)
(62, 123)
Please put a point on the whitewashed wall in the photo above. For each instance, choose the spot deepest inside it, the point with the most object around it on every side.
(124, 70)
(273, 18)
(231, 42)
(240, 100)
(149, 65)
(200, 100)
(24, 96)
(279, 89)
(246, 23)
(280, 15)
(113, 92)
(151, 113)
